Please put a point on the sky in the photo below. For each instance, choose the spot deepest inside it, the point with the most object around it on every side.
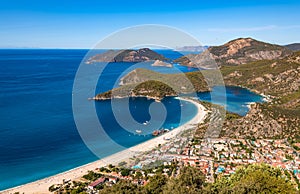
(82, 24)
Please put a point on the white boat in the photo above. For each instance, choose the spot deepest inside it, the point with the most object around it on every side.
(138, 131)
(146, 123)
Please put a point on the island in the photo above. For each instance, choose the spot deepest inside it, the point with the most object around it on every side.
(159, 63)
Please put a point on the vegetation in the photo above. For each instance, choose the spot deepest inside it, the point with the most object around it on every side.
(190, 180)
(153, 88)
(122, 187)
(254, 179)
(92, 176)
(153, 84)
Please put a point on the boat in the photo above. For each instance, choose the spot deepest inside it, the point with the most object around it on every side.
(156, 133)
(146, 123)
(138, 131)
(159, 132)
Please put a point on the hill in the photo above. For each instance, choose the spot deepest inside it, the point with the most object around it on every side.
(135, 82)
(150, 89)
(129, 55)
(293, 47)
(235, 52)
(181, 83)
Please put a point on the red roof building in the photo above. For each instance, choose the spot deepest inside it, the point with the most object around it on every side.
(97, 182)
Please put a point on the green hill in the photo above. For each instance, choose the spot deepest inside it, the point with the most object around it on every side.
(150, 88)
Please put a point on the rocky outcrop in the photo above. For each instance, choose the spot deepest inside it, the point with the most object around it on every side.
(144, 54)
(159, 63)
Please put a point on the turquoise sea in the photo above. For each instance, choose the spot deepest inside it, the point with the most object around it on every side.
(38, 135)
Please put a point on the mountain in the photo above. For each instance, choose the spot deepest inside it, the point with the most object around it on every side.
(293, 47)
(235, 52)
(192, 48)
(128, 55)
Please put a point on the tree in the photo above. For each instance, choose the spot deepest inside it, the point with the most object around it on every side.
(122, 187)
(125, 172)
(260, 178)
(156, 184)
(190, 180)
(138, 175)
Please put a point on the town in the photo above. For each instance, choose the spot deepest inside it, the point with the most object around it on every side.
(214, 157)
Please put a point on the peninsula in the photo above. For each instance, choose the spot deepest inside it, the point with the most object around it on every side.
(128, 55)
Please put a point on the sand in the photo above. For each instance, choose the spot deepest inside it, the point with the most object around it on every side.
(41, 186)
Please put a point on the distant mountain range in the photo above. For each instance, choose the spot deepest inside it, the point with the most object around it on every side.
(293, 47)
(192, 48)
(235, 52)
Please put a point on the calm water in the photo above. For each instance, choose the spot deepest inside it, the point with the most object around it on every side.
(37, 129)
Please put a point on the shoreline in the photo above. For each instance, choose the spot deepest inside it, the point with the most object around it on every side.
(41, 186)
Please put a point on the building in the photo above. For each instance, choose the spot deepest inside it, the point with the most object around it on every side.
(97, 182)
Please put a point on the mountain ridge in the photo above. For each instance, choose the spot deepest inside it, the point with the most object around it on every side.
(235, 52)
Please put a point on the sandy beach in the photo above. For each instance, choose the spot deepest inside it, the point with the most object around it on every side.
(41, 186)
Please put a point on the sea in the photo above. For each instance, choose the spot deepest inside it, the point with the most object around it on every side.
(38, 132)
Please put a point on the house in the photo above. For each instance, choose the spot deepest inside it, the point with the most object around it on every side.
(97, 182)
(113, 179)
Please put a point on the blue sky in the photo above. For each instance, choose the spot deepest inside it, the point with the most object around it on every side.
(81, 24)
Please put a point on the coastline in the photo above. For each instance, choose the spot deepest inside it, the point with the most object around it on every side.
(41, 186)
(266, 98)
